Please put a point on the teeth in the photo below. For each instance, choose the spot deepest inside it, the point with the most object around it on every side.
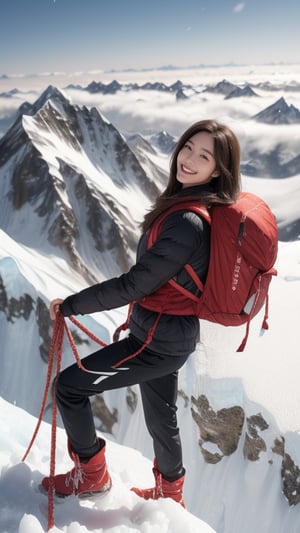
(185, 169)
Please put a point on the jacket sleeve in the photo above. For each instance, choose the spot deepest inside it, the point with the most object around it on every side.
(180, 234)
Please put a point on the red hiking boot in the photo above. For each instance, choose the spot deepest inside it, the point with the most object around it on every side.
(85, 479)
(163, 488)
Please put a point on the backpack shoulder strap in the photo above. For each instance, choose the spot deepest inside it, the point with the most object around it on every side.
(195, 207)
(202, 211)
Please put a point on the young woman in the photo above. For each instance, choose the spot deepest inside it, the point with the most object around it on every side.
(205, 166)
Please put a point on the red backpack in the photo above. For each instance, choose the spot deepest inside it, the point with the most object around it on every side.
(244, 246)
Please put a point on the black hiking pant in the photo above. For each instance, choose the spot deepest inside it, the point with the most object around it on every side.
(157, 376)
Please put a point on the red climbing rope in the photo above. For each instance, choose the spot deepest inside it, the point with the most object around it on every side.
(56, 340)
(61, 327)
(55, 353)
(55, 350)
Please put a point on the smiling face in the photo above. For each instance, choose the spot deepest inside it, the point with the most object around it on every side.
(196, 163)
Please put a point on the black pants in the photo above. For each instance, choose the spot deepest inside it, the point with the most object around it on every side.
(157, 376)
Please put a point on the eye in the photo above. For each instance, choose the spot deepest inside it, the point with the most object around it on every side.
(204, 157)
(188, 146)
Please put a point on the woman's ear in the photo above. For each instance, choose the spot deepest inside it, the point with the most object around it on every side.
(215, 174)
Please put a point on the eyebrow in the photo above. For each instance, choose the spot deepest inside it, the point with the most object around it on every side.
(204, 149)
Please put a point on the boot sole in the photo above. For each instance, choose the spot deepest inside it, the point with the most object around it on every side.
(82, 495)
(89, 494)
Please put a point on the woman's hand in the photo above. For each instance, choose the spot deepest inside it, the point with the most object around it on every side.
(54, 307)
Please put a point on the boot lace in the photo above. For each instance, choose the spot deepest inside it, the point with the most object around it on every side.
(76, 475)
(158, 489)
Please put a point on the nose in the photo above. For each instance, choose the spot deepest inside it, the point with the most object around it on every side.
(189, 159)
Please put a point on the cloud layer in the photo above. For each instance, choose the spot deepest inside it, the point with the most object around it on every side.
(146, 111)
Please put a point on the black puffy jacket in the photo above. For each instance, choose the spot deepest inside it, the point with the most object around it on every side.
(184, 239)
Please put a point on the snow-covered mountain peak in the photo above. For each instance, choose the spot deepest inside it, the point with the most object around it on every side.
(279, 113)
(238, 92)
(63, 167)
(224, 87)
(50, 93)
(163, 141)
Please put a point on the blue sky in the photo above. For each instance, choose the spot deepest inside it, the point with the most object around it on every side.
(83, 35)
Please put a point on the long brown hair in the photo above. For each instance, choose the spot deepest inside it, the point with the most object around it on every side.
(223, 189)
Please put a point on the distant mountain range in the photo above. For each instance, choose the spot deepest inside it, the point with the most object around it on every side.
(280, 112)
(288, 113)
(59, 159)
